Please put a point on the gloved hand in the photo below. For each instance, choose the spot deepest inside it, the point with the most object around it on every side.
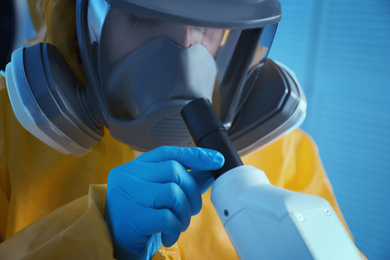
(151, 199)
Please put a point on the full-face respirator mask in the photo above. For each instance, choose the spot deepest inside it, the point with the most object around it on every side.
(140, 75)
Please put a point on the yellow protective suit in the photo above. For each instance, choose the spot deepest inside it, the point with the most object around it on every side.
(51, 205)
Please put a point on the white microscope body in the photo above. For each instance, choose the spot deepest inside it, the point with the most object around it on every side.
(264, 221)
(267, 222)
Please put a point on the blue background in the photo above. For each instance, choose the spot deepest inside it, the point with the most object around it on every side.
(340, 51)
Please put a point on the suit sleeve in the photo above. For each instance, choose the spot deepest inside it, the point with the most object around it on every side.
(76, 230)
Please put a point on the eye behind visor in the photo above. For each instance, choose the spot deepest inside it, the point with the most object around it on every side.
(181, 34)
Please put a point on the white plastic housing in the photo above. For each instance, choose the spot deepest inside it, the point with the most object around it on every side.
(267, 222)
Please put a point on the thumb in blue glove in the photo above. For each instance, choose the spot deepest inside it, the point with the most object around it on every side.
(151, 199)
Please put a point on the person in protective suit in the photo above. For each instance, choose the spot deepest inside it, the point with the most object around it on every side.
(69, 191)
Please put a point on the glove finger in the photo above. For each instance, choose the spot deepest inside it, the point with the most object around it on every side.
(167, 172)
(183, 178)
(190, 157)
(133, 230)
(160, 195)
(159, 221)
(172, 197)
(204, 179)
(168, 240)
(168, 164)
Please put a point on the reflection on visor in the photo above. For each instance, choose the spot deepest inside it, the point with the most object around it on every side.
(183, 35)
(244, 52)
(124, 32)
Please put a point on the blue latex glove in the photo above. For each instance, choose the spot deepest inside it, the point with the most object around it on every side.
(151, 199)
